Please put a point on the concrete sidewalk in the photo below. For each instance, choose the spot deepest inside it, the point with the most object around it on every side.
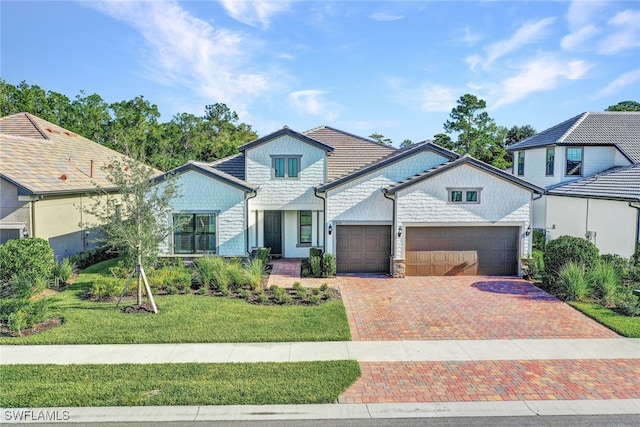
(362, 351)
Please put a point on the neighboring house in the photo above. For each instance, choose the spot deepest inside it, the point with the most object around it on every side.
(47, 175)
(589, 167)
(422, 209)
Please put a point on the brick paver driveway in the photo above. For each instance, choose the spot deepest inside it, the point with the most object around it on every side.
(425, 308)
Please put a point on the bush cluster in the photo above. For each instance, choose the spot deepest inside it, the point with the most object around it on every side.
(318, 264)
(225, 276)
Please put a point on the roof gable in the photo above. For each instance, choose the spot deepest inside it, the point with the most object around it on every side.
(282, 132)
(609, 128)
(210, 171)
(465, 160)
(396, 156)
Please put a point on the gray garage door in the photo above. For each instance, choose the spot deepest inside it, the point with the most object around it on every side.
(468, 251)
(363, 248)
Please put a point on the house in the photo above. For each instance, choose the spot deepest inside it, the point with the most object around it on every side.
(589, 166)
(421, 210)
(47, 176)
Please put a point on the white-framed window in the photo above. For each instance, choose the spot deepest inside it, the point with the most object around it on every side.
(304, 227)
(464, 195)
(194, 233)
(550, 162)
(285, 166)
(574, 161)
(520, 163)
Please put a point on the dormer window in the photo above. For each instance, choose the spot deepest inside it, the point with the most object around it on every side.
(574, 161)
(286, 166)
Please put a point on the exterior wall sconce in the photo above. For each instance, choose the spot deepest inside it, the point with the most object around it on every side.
(528, 232)
(25, 232)
(330, 229)
(399, 231)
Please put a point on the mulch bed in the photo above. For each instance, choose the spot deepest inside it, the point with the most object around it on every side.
(40, 327)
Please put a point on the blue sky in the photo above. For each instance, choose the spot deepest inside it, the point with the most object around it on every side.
(392, 67)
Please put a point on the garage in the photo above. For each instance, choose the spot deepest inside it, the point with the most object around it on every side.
(462, 251)
(363, 248)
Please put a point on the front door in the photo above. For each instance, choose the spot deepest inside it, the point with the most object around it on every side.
(273, 231)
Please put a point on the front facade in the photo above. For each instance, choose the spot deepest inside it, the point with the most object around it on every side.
(587, 165)
(368, 204)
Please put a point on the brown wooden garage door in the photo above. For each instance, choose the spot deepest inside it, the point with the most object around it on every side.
(468, 251)
(363, 248)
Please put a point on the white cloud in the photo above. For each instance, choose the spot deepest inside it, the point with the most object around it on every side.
(582, 12)
(620, 83)
(385, 16)
(578, 38)
(310, 101)
(437, 99)
(186, 51)
(254, 12)
(625, 33)
(470, 37)
(541, 74)
(529, 32)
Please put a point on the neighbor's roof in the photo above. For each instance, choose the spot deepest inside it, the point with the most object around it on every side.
(619, 183)
(350, 152)
(42, 158)
(620, 129)
(464, 160)
(279, 133)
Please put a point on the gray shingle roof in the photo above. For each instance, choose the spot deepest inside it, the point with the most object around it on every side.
(232, 165)
(619, 183)
(350, 152)
(620, 129)
(209, 170)
(464, 160)
(42, 158)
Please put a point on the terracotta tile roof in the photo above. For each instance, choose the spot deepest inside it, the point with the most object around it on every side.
(42, 158)
(620, 129)
(350, 152)
(619, 183)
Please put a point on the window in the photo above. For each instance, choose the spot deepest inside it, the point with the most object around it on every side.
(286, 166)
(551, 157)
(464, 195)
(520, 163)
(194, 233)
(574, 161)
(305, 227)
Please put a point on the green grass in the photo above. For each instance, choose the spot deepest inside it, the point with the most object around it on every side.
(175, 384)
(185, 319)
(624, 325)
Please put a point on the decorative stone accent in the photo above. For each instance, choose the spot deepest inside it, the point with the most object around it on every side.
(398, 268)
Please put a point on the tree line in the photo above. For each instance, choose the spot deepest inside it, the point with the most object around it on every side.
(133, 127)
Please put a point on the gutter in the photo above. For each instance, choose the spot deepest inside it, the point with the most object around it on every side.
(246, 216)
(393, 227)
(636, 249)
(324, 217)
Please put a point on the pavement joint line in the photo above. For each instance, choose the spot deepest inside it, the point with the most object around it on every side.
(521, 408)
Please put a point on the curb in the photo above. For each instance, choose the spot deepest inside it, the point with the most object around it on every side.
(112, 414)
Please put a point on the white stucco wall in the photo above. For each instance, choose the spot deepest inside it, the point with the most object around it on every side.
(539, 212)
(595, 159)
(614, 222)
(501, 203)
(201, 193)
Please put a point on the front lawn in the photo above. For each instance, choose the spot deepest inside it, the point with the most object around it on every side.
(25, 386)
(624, 325)
(185, 319)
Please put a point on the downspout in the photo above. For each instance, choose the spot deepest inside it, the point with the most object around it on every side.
(246, 217)
(393, 226)
(324, 218)
(636, 249)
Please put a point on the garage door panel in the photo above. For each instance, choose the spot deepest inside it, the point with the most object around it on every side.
(461, 251)
(363, 248)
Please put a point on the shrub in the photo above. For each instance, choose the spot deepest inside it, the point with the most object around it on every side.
(202, 290)
(315, 252)
(534, 267)
(237, 274)
(566, 249)
(620, 264)
(539, 239)
(244, 293)
(324, 287)
(166, 277)
(628, 302)
(263, 254)
(84, 259)
(32, 257)
(573, 282)
(328, 265)
(18, 321)
(62, 271)
(605, 282)
(207, 267)
(314, 299)
(315, 262)
(262, 297)
(254, 270)
(280, 295)
(106, 287)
